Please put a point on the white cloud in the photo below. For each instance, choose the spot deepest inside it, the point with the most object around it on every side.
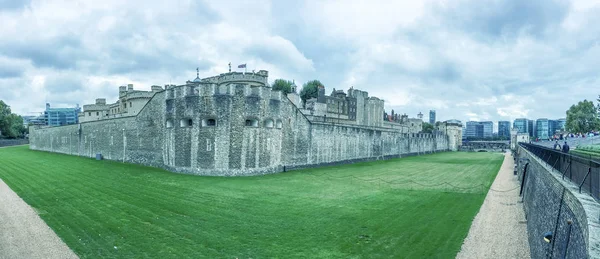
(509, 60)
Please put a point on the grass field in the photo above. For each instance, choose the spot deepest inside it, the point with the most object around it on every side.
(414, 207)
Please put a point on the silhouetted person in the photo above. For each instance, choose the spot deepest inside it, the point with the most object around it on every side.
(557, 146)
(565, 148)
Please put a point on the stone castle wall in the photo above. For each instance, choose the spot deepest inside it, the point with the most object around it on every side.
(549, 203)
(257, 131)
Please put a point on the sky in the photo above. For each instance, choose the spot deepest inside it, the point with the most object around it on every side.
(466, 59)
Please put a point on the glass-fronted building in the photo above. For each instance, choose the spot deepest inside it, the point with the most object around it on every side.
(531, 126)
(522, 125)
(61, 116)
(561, 124)
(504, 128)
(542, 128)
(476, 129)
(432, 117)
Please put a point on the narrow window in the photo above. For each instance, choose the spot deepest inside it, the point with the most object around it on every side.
(209, 123)
(279, 125)
(169, 124)
(251, 123)
(89, 113)
(190, 123)
(97, 113)
(130, 104)
(208, 145)
(268, 123)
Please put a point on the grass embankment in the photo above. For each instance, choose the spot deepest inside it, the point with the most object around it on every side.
(415, 207)
(589, 151)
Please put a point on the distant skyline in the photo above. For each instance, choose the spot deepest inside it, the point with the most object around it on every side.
(466, 59)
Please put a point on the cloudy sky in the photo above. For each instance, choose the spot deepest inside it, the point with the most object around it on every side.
(467, 59)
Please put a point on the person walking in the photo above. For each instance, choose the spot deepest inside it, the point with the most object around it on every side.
(565, 148)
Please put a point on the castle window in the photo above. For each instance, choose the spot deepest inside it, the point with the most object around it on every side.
(97, 113)
(209, 123)
(269, 123)
(251, 123)
(278, 124)
(89, 114)
(130, 104)
(185, 123)
(169, 124)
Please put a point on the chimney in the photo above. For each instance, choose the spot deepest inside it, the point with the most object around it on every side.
(129, 87)
(122, 88)
(156, 88)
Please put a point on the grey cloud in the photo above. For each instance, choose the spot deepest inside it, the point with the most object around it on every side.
(60, 53)
(10, 71)
(498, 18)
(13, 4)
(64, 83)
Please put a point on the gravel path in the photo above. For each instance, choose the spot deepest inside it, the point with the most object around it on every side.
(23, 234)
(499, 229)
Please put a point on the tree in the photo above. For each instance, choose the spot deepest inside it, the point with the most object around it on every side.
(11, 125)
(582, 117)
(310, 90)
(282, 85)
(427, 127)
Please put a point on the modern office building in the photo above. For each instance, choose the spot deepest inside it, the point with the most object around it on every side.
(479, 129)
(542, 128)
(504, 128)
(432, 117)
(61, 116)
(522, 125)
(561, 124)
(531, 126)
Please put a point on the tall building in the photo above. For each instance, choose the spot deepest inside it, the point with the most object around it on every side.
(471, 130)
(477, 129)
(542, 128)
(432, 117)
(531, 126)
(561, 124)
(522, 125)
(552, 127)
(504, 128)
(488, 129)
(61, 116)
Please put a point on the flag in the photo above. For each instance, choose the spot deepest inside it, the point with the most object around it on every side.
(242, 66)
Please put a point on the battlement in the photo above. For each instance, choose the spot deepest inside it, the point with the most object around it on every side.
(211, 89)
(140, 94)
(94, 107)
(260, 77)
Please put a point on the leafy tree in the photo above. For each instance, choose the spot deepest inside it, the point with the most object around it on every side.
(11, 125)
(282, 85)
(427, 127)
(310, 90)
(582, 117)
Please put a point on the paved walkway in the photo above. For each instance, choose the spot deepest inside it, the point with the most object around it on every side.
(23, 234)
(499, 229)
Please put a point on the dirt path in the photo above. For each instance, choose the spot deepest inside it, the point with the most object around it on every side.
(499, 229)
(23, 234)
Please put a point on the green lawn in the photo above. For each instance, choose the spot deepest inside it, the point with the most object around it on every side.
(415, 207)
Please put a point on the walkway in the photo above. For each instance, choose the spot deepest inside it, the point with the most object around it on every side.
(499, 229)
(23, 234)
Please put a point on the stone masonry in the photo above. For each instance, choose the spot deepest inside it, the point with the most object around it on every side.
(234, 124)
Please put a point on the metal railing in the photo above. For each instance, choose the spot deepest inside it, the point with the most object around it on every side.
(582, 171)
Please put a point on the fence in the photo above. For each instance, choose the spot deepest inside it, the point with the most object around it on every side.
(13, 142)
(581, 170)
